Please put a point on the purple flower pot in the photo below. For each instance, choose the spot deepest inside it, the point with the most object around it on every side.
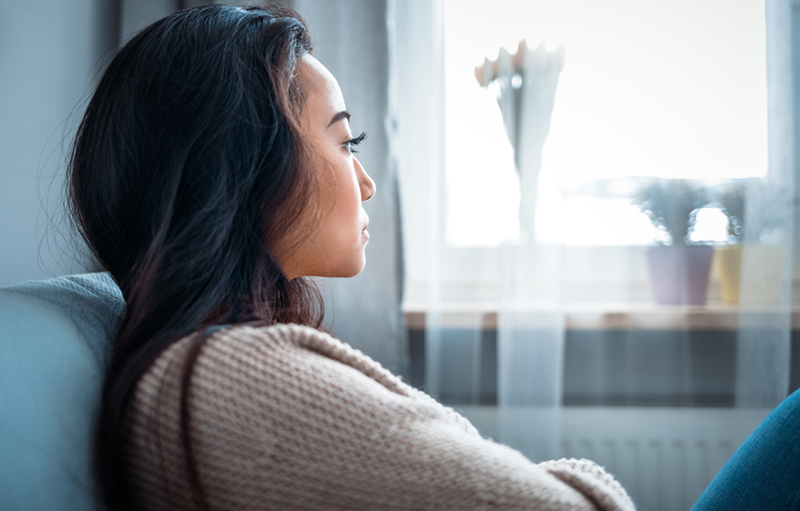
(679, 275)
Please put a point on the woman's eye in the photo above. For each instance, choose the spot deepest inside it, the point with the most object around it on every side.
(351, 144)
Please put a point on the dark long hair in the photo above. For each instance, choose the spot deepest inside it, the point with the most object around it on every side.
(187, 171)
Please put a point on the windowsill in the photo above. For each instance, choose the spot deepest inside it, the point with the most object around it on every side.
(620, 317)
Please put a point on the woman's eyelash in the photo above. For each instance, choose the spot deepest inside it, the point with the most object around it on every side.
(353, 142)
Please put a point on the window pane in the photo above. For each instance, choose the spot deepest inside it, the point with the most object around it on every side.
(668, 89)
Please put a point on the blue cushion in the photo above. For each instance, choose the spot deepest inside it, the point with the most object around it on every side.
(55, 339)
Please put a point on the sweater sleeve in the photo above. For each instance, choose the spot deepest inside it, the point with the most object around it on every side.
(289, 418)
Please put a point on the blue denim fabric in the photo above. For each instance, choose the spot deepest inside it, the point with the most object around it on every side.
(764, 473)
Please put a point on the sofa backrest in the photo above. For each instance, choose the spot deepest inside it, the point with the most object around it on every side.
(55, 339)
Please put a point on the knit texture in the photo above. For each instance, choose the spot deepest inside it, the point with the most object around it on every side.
(286, 417)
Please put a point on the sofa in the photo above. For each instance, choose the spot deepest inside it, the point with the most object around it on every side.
(55, 341)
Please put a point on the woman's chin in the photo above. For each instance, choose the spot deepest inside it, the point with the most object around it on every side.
(357, 265)
(357, 268)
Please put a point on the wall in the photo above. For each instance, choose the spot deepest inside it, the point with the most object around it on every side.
(49, 55)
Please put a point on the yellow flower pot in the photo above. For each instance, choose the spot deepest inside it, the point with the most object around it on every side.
(728, 268)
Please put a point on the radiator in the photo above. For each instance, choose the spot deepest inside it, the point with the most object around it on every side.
(665, 457)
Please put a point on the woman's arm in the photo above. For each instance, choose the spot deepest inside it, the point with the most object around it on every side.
(287, 417)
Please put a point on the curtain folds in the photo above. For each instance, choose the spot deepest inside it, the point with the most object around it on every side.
(635, 352)
(530, 315)
(764, 334)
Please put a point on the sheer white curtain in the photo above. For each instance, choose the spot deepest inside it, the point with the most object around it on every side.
(524, 308)
(530, 315)
(764, 335)
(635, 353)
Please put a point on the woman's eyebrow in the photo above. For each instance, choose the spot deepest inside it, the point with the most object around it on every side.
(344, 114)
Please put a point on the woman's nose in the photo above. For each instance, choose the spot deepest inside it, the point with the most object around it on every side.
(365, 182)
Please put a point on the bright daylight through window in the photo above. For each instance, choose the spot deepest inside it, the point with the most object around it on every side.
(649, 89)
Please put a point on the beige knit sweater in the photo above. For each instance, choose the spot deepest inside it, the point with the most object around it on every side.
(286, 417)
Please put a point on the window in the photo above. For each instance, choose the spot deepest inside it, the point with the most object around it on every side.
(665, 89)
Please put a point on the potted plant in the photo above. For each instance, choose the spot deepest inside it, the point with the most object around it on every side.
(728, 258)
(755, 265)
(678, 267)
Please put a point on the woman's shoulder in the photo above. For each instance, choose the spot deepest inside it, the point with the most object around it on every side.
(242, 365)
(271, 351)
(257, 379)
(253, 394)
(243, 371)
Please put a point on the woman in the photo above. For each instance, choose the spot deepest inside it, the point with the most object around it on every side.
(212, 173)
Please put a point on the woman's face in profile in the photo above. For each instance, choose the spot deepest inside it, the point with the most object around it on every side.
(335, 245)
